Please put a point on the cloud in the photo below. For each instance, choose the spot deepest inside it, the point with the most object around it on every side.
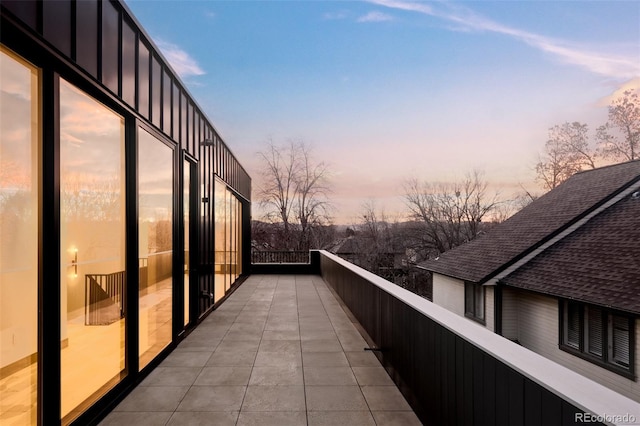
(633, 84)
(608, 64)
(375, 16)
(333, 16)
(180, 60)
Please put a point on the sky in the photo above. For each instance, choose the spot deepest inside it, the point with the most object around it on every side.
(390, 90)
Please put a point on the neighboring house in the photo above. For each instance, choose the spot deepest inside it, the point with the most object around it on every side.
(561, 277)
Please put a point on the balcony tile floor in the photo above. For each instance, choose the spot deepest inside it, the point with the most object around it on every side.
(280, 351)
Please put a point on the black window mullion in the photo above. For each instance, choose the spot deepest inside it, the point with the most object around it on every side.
(49, 255)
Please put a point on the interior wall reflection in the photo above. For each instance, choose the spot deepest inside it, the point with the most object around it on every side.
(19, 148)
(92, 247)
(155, 224)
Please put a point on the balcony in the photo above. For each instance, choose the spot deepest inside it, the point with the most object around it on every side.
(334, 344)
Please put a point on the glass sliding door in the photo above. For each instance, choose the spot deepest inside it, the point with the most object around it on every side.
(227, 236)
(220, 238)
(19, 204)
(92, 250)
(155, 244)
(187, 182)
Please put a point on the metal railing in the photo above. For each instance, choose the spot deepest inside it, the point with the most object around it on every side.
(104, 298)
(279, 256)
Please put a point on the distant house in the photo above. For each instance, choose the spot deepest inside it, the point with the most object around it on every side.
(561, 277)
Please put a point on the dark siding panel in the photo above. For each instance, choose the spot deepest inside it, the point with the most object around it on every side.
(156, 92)
(166, 103)
(551, 408)
(128, 64)
(516, 398)
(56, 23)
(143, 80)
(27, 12)
(87, 36)
(110, 42)
(183, 121)
(502, 394)
(177, 113)
(190, 121)
(532, 404)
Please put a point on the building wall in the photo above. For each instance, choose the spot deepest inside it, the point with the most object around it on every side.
(449, 293)
(509, 313)
(537, 324)
(88, 88)
(489, 308)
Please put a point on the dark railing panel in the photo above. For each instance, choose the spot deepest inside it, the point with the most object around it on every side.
(445, 376)
(104, 298)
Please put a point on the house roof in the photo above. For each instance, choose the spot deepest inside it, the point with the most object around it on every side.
(482, 258)
(598, 263)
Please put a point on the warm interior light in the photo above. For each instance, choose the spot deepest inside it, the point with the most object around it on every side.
(74, 262)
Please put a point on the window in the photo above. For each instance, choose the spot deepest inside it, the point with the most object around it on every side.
(474, 301)
(598, 335)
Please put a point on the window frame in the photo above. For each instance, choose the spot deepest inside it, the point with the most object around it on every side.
(583, 350)
(471, 312)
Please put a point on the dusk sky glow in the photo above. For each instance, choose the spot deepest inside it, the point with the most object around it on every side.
(387, 90)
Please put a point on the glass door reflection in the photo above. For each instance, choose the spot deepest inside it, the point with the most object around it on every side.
(92, 250)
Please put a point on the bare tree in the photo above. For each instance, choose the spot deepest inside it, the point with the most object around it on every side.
(312, 206)
(293, 191)
(567, 151)
(449, 213)
(619, 138)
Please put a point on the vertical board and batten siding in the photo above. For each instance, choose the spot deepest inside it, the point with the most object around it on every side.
(538, 328)
(509, 313)
(489, 308)
(449, 293)
(446, 378)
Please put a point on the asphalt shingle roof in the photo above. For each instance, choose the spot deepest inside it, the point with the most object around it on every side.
(480, 259)
(598, 263)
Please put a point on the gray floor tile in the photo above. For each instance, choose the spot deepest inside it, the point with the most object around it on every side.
(322, 345)
(278, 359)
(318, 335)
(372, 376)
(280, 346)
(172, 376)
(396, 418)
(232, 358)
(385, 398)
(362, 359)
(274, 418)
(119, 418)
(274, 398)
(324, 359)
(213, 398)
(186, 359)
(224, 376)
(339, 376)
(335, 398)
(238, 345)
(287, 375)
(281, 335)
(153, 398)
(335, 418)
(200, 418)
